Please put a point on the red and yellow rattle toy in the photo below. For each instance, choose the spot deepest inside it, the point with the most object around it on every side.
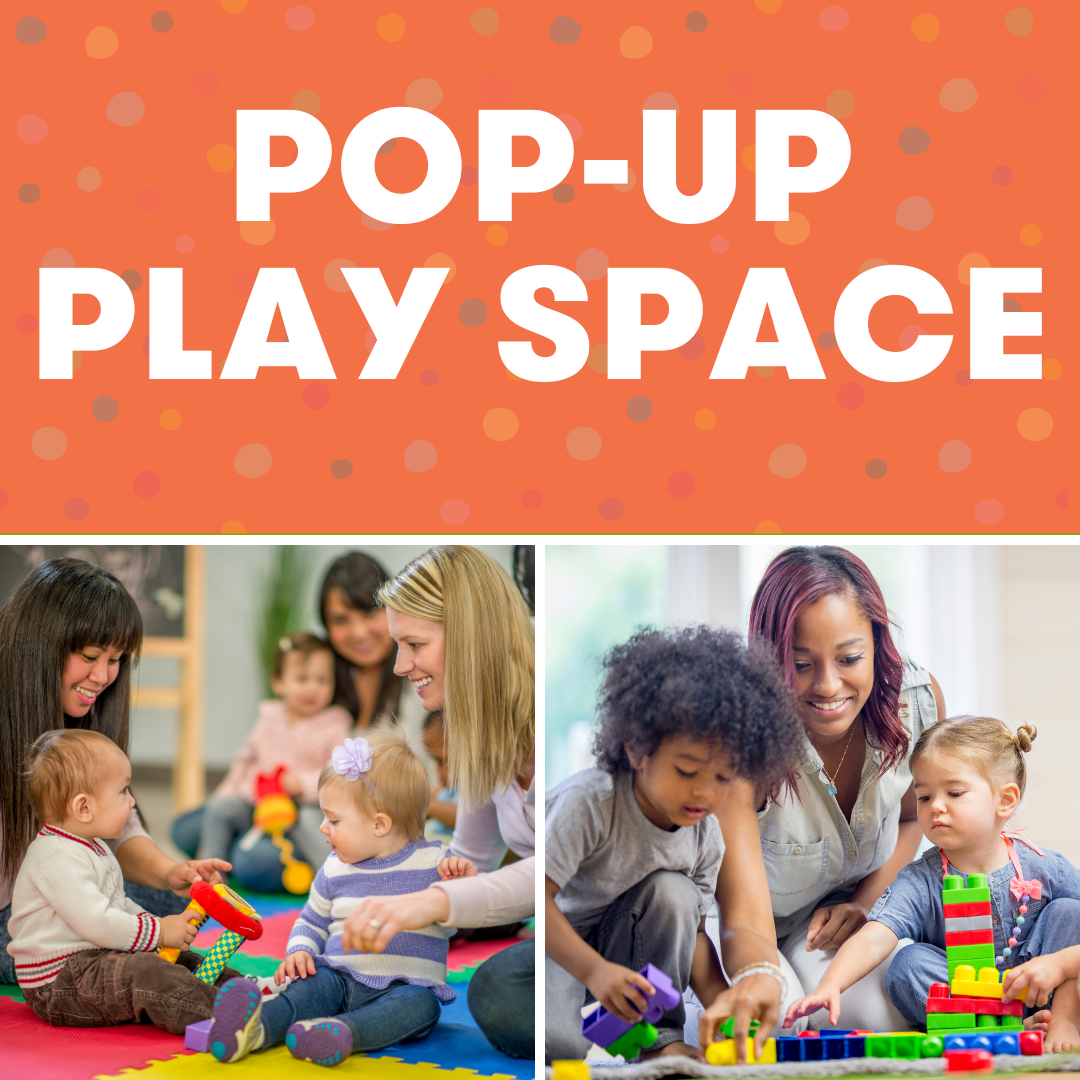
(275, 812)
(241, 921)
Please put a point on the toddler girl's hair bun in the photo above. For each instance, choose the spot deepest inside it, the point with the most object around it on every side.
(1025, 736)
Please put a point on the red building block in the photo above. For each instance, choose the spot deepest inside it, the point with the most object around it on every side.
(977, 1006)
(969, 1061)
(963, 911)
(1031, 1042)
(969, 937)
(939, 990)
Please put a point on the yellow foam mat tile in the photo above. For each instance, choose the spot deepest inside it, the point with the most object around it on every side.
(279, 1064)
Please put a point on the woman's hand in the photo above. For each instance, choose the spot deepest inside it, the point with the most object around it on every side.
(454, 867)
(182, 875)
(832, 926)
(756, 997)
(378, 918)
(1040, 975)
(824, 997)
(290, 784)
(620, 990)
(297, 965)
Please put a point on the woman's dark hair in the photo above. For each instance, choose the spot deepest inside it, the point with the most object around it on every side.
(800, 576)
(524, 561)
(358, 577)
(59, 608)
(704, 683)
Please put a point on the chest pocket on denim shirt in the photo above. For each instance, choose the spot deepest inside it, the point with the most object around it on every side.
(794, 868)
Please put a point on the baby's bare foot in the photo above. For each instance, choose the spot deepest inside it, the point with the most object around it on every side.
(1061, 1037)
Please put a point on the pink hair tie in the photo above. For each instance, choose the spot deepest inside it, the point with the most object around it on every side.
(352, 759)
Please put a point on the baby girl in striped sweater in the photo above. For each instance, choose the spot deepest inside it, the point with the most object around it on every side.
(374, 796)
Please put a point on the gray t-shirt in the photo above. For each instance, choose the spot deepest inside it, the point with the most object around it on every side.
(599, 844)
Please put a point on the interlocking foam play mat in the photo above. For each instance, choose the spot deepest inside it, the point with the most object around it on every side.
(31, 1048)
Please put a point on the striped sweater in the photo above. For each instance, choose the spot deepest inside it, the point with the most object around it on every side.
(69, 897)
(413, 956)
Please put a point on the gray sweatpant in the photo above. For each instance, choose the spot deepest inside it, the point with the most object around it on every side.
(227, 816)
(654, 922)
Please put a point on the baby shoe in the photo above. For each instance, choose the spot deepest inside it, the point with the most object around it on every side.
(235, 1028)
(325, 1041)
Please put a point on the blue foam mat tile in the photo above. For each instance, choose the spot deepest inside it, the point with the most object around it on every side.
(457, 1042)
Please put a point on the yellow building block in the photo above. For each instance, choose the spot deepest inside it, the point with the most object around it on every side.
(723, 1053)
(570, 1070)
(1022, 996)
(987, 985)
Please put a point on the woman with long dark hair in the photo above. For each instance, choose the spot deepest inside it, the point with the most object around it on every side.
(836, 832)
(70, 635)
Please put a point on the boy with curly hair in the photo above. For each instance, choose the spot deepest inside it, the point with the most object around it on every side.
(633, 848)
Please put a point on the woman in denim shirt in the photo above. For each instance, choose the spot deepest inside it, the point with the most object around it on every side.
(838, 831)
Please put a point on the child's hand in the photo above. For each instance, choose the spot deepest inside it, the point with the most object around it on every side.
(177, 932)
(824, 997)
(298, 965)
(620, 990)
(1040, 975)
(454, 867)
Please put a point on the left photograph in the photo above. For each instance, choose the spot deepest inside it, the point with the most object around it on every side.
(272, 801)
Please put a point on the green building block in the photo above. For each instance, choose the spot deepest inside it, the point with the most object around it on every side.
(630, 1043)
(894, 1046)
(985, 1021)
(932, 1046)
(965, 896)
(950, 1021)
(727, 1028)
(968, 953)
(1012, 1023)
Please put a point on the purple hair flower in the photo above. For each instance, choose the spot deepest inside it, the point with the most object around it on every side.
(352, 759)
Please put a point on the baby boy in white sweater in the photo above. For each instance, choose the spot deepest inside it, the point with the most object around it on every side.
(85, 955)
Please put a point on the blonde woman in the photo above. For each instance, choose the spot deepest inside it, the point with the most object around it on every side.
(465, 642)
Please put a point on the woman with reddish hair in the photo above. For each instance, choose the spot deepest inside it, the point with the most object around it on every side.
(834, 835)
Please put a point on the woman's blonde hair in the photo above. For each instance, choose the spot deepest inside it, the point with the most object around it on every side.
(489, 675)
(983, 742)
(396, 784)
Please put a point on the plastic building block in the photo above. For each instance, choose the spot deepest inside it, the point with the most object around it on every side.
(1031, 1042)
(936, 1021)
(975, 1006)
(966, 909)
(569, 1070)
(604, 1028)
(977, 951)
(631, 1042)
(938, 990)
(965, 984)
(727, 1028)
(968, 1061)
(723, 1053)
(197, 1036)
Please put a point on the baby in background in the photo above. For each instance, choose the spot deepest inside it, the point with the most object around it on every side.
(297, 730)
(969, 777)
(442, 811)
(374, 795)
(84, 953)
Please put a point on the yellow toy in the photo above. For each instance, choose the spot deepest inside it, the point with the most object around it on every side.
(241, 921)
(275, 813)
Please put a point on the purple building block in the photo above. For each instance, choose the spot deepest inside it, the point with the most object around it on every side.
(197, 1036)
(603, 1028)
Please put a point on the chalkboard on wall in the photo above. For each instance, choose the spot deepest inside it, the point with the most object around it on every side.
(152, 573)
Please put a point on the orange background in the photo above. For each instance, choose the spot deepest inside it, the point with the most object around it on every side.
(666, 473)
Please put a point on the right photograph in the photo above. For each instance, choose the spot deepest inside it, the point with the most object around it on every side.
(809, 802)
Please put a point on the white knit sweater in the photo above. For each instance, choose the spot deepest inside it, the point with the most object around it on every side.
(69, 897)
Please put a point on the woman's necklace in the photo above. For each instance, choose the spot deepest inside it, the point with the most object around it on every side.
(832, 779)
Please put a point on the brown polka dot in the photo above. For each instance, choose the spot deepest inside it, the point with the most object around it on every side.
(611, 509)
(787, 461)
(661, 100)
(30, 193)
(1019, 21)
(598, 358)
(420, 456)
(1011, 304)
(484, 21)
(49, 443)
(564, 30)
(592, 263)
(125, 109)
(424, 94)
(253, 461)
(840, 103)
(913, 140)
(639, 408)
(473, 312)
(58, 257)
(958, 95)
(583, 443)
(30, 31)
(387, 147)
(696, 22)
(132, 278)
(562, 193)
(161, 21)
(104, 408)
(871, 263)
(876, 469)
(827, 340)
(371, 223)
(914, 214)
(307, 101)
(631, 180)
(954, 456)
(333, 276)
(341, 469)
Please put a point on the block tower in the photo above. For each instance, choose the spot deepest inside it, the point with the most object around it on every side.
(969, 931)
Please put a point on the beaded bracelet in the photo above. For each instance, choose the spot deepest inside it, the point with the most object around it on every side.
(761, 969)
